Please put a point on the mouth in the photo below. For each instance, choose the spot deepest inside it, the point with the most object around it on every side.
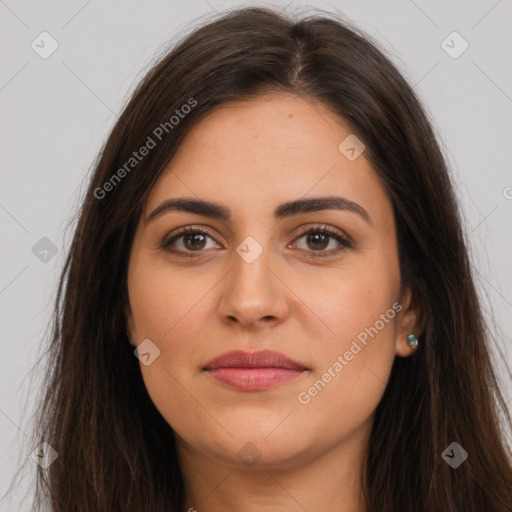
(254, 371)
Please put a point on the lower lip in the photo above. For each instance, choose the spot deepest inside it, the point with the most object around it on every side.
(254, 379)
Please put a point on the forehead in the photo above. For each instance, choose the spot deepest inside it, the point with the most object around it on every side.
(257, 153)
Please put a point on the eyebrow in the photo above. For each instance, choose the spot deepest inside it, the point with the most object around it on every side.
(288, 209)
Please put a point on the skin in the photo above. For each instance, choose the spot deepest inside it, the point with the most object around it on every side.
(251, 156)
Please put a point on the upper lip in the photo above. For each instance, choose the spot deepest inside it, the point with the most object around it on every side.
(261, 359)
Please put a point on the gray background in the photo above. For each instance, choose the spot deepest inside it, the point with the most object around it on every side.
(57, 111)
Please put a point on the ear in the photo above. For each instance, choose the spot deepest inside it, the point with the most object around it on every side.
(410, 320)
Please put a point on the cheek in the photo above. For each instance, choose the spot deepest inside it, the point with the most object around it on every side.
(358, 298)
(356, 357)
(165, 302)
(349, 382)
(170, 309)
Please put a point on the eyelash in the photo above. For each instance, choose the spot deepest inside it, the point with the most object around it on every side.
(166, 243)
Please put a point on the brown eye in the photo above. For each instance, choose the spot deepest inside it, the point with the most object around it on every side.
(194, 241)
(317, 241)
(186, 241)
(319, 238)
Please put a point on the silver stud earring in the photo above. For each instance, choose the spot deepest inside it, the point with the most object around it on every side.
(412, 340)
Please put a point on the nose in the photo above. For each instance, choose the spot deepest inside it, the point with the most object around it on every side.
(253, 294)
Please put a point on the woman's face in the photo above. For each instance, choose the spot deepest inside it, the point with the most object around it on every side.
(252, 280)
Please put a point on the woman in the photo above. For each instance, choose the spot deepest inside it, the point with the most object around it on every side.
(268, 302)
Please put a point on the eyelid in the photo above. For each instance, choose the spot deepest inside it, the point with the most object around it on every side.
(178, 232)
(343, 240)
(324, 227)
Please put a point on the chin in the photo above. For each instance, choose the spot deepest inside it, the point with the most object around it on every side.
(257, 449)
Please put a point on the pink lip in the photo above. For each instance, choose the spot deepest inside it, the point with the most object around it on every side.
(253, 371)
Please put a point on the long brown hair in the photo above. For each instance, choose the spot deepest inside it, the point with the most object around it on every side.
(115, 451)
